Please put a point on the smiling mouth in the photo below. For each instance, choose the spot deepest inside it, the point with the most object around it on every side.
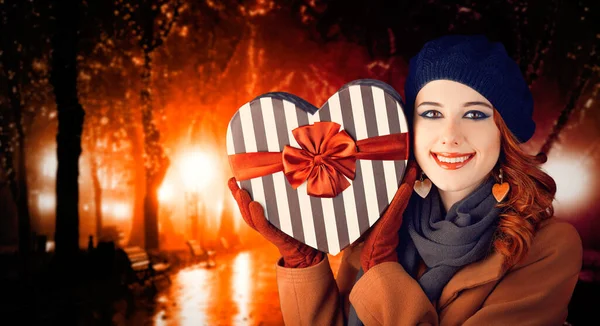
(452, 161)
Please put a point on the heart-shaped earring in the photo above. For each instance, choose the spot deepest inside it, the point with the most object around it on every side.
(422, 186)
(500, 190)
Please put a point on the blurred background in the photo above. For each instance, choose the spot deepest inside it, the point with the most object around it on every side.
(113, 117)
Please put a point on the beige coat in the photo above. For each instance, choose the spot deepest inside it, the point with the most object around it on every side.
(536, 291)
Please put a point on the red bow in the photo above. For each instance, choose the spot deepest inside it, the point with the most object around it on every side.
(326, 159)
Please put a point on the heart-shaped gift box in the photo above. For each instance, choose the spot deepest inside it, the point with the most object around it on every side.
(324, 176)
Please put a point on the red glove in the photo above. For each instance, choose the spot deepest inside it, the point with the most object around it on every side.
(381, 241)
(295, 253)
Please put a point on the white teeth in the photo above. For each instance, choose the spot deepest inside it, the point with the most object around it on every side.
(452, 159)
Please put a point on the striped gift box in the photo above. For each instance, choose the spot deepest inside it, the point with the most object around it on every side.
(364, 108)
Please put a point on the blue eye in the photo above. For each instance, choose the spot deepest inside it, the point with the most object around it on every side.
(476, 115)
(431, 114)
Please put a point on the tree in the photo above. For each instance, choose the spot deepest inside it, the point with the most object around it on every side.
(8, 185)
(152, 22)
(70, 125)
(12, 65)
(23, 65)
(582, 50)
(103, 87)
(109, 69)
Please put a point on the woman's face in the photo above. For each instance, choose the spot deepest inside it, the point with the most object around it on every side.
(457, 143)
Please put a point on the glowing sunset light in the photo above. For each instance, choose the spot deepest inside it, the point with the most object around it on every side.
(194, 296)
(165, 192)
(241, 287)
(121, 211)
(219, 209)
(105, 208)
(196, 169)
(46, 202)
(49, 165)
(117, 210)
(573, 181)
(50, 246)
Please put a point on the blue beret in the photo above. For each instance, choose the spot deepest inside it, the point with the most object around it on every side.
(485, 66)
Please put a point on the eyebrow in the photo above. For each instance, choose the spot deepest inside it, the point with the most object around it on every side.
(465, 105)
(430, 103)
(477, 103)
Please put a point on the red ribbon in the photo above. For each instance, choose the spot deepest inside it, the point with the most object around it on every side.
(326, 159)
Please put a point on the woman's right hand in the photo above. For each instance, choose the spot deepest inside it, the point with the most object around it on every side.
(382, 239)
(295, 253)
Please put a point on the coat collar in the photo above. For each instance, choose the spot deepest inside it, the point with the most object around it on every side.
(487, 270)
(481, 272)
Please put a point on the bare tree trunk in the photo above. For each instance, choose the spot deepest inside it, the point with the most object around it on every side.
(142, 17)
(18, 180)
(156, 161)
(136, 237)
(8, 219)
(151, 213)
(97, 195)
(23, 194)
(70, 126)
(7, 141)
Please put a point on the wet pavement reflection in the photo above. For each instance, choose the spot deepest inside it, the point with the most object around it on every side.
(240, 290)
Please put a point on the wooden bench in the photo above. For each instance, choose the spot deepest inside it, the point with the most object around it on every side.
(142, 268)
(199, 255)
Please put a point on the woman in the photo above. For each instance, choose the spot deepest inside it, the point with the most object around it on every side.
(476, 242)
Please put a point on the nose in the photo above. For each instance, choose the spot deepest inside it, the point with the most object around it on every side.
(451, 134)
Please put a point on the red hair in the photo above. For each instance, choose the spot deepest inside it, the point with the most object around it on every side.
(529, 201)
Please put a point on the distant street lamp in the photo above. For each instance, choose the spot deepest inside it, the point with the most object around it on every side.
(165, 193)
(45, 193)
(49, 165)
(121, 211)
(197, 170)
(46, 202)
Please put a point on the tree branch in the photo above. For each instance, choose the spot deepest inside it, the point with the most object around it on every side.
(165, 28)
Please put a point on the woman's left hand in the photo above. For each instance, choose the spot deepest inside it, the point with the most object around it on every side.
(381, 241)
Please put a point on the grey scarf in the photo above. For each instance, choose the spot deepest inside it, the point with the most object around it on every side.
(445, 241)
